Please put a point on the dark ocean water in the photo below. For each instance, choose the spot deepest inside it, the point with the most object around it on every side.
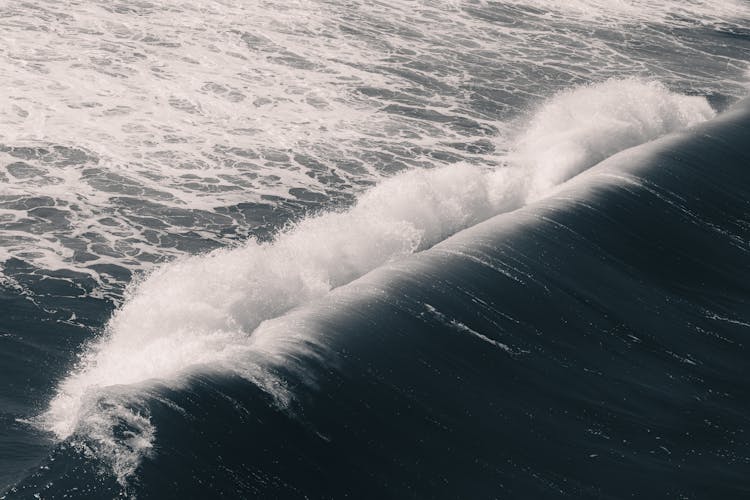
(402, 250)
(590, 346)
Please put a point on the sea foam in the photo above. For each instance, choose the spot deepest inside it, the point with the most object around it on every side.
(202, 310)
(581, 127)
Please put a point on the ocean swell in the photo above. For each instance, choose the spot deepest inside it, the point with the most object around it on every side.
(201, 311)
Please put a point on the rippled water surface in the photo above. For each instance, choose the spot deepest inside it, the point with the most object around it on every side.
(194, 195)
(134, 132)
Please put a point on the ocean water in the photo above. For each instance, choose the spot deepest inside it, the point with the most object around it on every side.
(404, 249)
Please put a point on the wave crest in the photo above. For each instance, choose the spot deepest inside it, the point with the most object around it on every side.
(579, 128)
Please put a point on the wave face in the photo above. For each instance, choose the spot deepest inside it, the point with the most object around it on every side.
(582, 346)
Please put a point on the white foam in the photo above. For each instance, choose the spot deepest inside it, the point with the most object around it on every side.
(633, 12)
(581, 127)
(202, 310)
(191, 105)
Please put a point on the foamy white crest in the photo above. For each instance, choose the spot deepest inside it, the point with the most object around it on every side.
(202, 310)
(581, 127)
(196, 310)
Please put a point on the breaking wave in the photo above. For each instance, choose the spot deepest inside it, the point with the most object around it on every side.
(201, 311)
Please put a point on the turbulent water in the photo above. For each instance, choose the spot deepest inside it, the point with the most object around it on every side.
(456, 249)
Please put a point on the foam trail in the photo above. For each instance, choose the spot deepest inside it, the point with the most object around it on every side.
(201, 310)
(624, 12)
(193, 107)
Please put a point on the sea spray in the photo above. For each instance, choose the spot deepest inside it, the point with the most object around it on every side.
(579, 128)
